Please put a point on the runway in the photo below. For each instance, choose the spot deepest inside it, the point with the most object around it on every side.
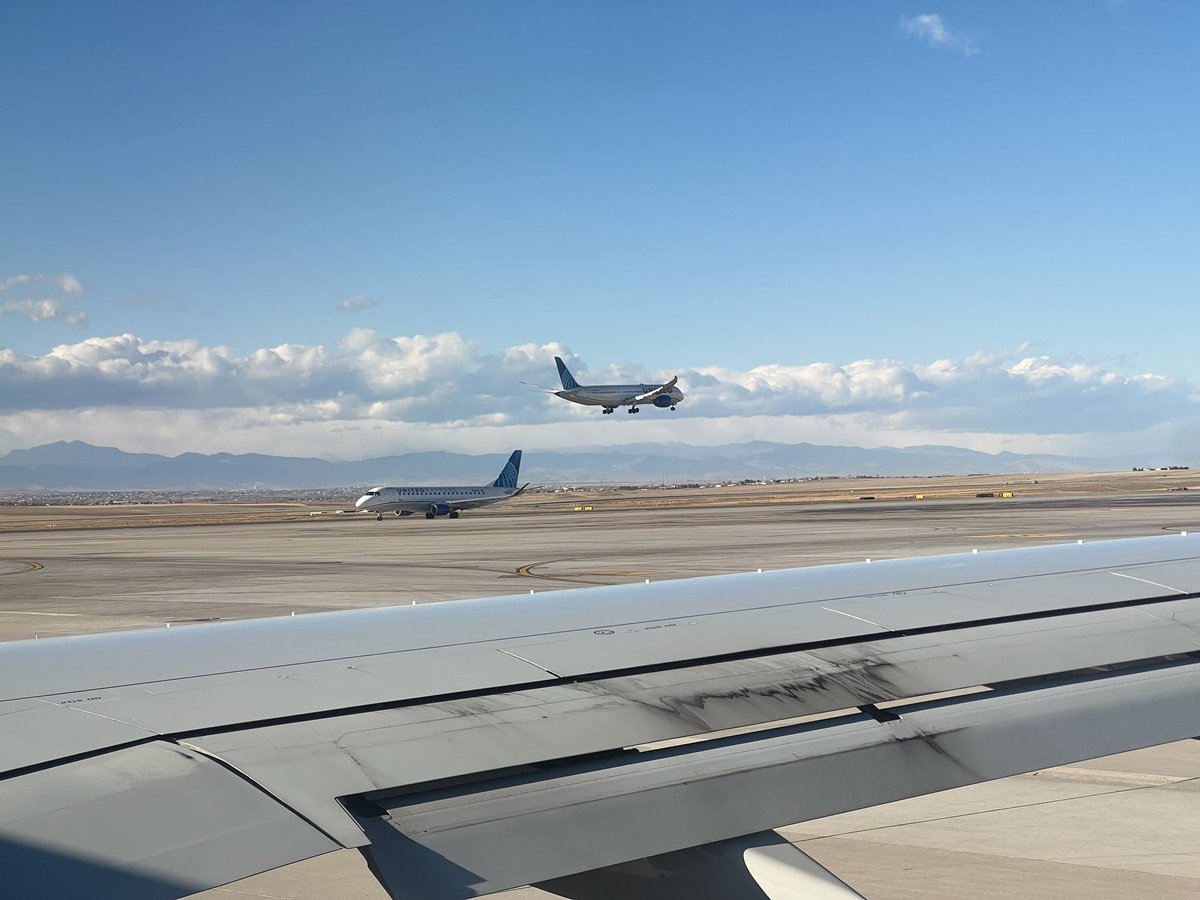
(1100, 829)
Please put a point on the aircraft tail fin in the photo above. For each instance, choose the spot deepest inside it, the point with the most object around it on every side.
(568, 380)
(508, 475)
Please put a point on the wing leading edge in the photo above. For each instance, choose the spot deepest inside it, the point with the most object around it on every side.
(479, 745)
(657, 392)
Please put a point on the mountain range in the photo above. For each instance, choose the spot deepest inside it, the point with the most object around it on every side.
(74, 465)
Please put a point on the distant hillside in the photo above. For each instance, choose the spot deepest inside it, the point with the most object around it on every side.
(75, 465)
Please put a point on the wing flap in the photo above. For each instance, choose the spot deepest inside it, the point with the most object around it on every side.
(470, 840)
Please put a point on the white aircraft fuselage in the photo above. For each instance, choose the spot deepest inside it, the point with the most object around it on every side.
(613, 395)
(442, 501)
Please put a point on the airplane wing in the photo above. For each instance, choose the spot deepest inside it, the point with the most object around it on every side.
(473, 746)
(658, 391)
(469, 503)
(485, 501)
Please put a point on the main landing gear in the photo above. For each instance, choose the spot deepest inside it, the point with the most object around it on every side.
(607, 410)
(633, 409)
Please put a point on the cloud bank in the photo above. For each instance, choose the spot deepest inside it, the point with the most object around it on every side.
(371, 394)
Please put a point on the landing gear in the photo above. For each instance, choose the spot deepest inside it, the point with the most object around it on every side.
(430, 514)
(607, 410)
(454, 513)
(378, 517)
(633, 409)
(672, 409)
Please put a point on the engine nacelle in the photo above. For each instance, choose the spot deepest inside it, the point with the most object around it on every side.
(662, 401)
(440, 509)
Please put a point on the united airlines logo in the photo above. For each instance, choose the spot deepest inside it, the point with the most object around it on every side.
(508, 475)
(568, 381)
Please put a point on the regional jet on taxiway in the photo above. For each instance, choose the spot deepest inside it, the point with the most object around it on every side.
(443, 501)
(610, 396)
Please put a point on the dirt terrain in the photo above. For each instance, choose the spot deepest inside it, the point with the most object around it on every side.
(224, 510)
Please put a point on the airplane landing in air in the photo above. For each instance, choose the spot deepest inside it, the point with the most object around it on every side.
(610, 396)
(443, 501)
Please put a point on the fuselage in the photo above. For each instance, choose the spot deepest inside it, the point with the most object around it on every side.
(439, 500)
(612, 395)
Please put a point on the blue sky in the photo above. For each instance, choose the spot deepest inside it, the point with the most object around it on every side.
(877, 223)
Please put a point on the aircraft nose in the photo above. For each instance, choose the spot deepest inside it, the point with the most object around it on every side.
(361, 502)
